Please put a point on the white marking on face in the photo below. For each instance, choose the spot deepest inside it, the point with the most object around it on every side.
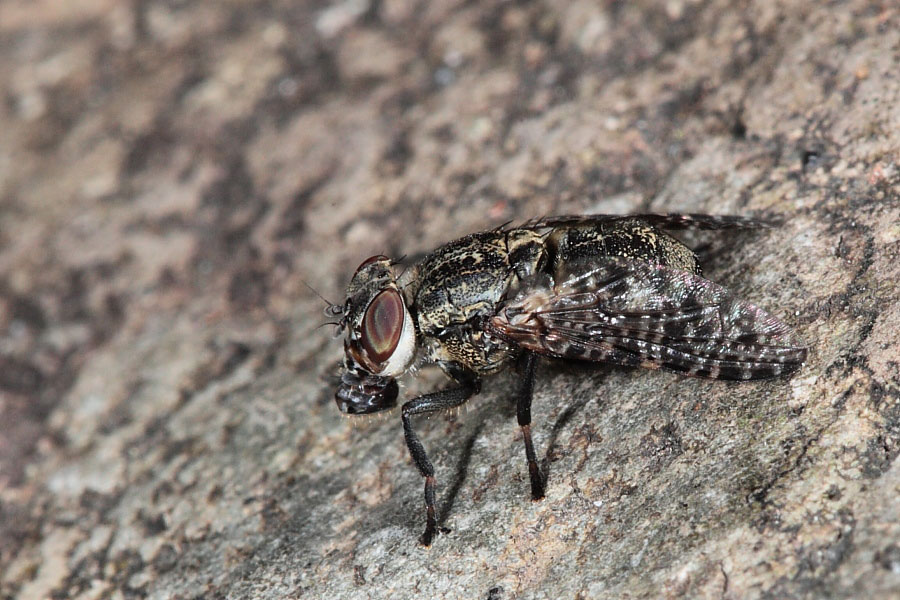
(405, 351)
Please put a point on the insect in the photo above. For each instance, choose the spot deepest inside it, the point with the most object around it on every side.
(605, 288)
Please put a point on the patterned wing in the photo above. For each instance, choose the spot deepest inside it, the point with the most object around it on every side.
(639, 314)
(663, 221)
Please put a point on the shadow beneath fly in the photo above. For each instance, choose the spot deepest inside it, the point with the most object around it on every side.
(565, 416)
(462, 469)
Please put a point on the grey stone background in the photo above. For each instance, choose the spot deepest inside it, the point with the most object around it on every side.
(172, 172)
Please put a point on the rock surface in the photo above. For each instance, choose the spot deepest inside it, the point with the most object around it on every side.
(171, 173)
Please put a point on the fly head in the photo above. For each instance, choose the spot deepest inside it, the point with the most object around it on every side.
(379, 339)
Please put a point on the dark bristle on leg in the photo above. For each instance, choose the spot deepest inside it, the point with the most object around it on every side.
(523, 414)
(423, 405)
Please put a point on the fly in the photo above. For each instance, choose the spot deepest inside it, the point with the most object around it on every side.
(604, 288)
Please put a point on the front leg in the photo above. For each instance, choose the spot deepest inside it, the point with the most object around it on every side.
(470, 385)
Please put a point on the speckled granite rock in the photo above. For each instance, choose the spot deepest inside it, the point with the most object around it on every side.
(172, 172)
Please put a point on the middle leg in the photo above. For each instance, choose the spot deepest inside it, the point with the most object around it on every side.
(523, 415)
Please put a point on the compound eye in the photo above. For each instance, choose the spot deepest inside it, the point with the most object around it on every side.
(382, 326)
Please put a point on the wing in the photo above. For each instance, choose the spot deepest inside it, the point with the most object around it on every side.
(663, 221)
(639, 314)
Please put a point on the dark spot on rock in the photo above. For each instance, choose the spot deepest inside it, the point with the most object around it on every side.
(230, 210)
(882, 449)
(662, 445)
(738, 127)
(444, 134)
(495, 593)
(118, 417)
(810, 158)
(489, 482)
(249, 288)
(879, 455)
(152, 524)
(272, 514)
(97, 503)
(232, 190)
(396, 104)
(817, 560)
(460, 182)
(161, 491)
(177, 448)
(27, 310)
(19, 376)
(168, 278)
(114, 307)
(81, 576)
(396, 155)
(683, 103)
(293, 218)
(605, 181)
(126, 564)
(889, 558)
(150, 148)
(73, 299)
(234, 356)
(227, 434)
(215, 493)
(359, 575)
(166, 558)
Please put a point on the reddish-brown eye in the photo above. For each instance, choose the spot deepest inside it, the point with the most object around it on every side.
(382, 326)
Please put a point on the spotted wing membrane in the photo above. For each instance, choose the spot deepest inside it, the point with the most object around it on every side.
(639, 314)
(661, 220)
